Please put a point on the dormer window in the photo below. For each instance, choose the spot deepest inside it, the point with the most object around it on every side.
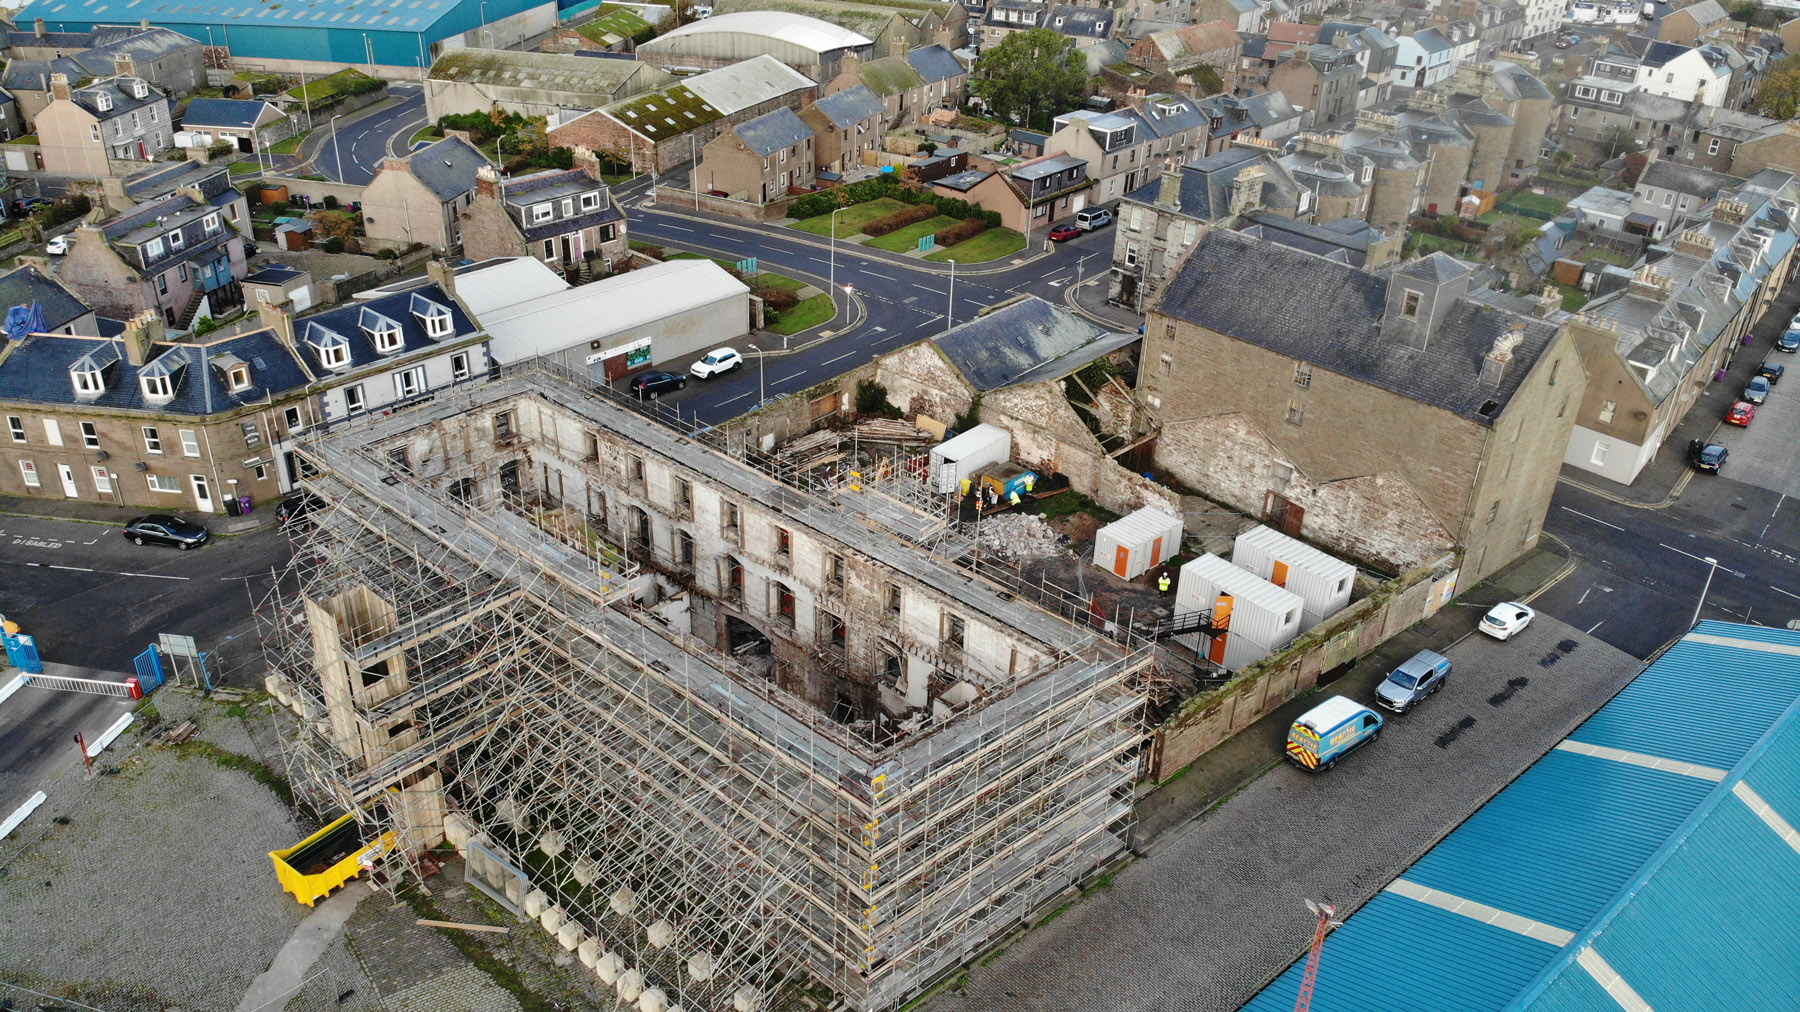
(158, 388)
(153, 249)
(331, 347)
(541, 213)
(383, 330)
(140, 89)
(103, 101)
(590, 201)
(88, 374)
(235, 370)
(175, 239)
(160, 378)
(88, 381)
(211, 223)
(434, 316)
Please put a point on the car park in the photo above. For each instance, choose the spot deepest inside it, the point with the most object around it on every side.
(1757, 390)
(652, 385)
(1771, 371)
(716, 361)
(1416, 678)
(1789, 340)
(1707, 456)
(1063, 232)
(1740, 413)
(165, 529)
(59, 246)
(1506, 620)
(1090, 218)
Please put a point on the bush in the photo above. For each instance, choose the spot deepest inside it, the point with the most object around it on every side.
(963, 230)
(872, 400)
(385, 254)
(652, 250)
(331, 202)
(333, 245)
(778, 299)
(814, 204)
(220, 150)
(899, 220)
(279, 207)
(66, 209)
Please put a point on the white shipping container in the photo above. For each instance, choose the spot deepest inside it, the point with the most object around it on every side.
(1263, 618)
(1134, 544)
(962, 456)
(1323, 582)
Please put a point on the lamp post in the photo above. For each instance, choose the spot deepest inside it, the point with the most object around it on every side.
(1712, 566)
(759, 374)
(336, 150)
(834, 214)
(950, 308)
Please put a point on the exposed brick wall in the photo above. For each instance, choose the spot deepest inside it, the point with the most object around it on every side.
(1049, 437)
(920, 381)
(488, 231)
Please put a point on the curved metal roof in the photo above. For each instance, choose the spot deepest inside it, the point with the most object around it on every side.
(794, 29)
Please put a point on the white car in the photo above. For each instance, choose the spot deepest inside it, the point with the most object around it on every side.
(716, 361)
(1505, 620)
(58, 246)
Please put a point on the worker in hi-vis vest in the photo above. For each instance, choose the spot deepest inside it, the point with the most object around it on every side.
(1162, 584)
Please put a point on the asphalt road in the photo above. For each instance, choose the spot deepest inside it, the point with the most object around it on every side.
(901, 302)
(37, 737)
(353, 152)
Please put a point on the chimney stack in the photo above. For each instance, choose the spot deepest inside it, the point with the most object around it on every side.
(487, 181)
(123, 65)
(59, 87)
(443, 275)
(277, 319)
(1168, 195)
(1494, 363)
(140, 336)
(38, 29)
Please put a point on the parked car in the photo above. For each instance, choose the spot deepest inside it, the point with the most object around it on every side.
(1707, 456)
(23, 207)
(1771, 371)
(59, 246)
(1417, 677)
(1063, 232)
(165, 529)
(1330, 731)
(1757, 390)
(1741, 413)
(716, 361)
(1506, 620)
(654, 384)
(1090, 218)
(1788, 341)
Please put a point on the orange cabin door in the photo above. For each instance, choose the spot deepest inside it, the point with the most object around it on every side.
(1221, 618)
(1121, 561)
(1156, 551)
(1217, 653)
(1279, 577)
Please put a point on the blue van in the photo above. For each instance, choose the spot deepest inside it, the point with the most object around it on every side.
(1330, 731)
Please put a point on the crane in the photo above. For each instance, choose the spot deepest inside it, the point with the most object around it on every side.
(1324, 912)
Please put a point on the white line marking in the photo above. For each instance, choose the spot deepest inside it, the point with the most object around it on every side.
(73, 569)
(1596, 625)
(154, 576)
(1583, 598)
(784, 379)
(933, 291)
(678, 228)
(840, 358)
(1597, 520)
(1778, 590)
(883, 277)
(739, 397)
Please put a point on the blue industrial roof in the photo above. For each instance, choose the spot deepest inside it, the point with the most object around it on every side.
(1644, 857)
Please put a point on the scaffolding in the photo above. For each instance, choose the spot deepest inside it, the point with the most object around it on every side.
(470, 670)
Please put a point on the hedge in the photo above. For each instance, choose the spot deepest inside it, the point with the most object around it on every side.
(778, 299)
(899, 220)
(825, 201)
(963, 230)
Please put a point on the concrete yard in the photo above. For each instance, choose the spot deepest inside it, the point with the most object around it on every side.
(1217, 909)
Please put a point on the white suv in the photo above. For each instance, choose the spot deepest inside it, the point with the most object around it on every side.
(716, 361)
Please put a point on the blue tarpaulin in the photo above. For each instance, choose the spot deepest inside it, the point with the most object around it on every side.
(22, 320)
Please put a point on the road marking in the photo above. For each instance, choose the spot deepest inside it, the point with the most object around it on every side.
(1583, 598)
(933, 291)
(1778, 504)
(73, 569)
(784, 379)
(840, 358)
(739, 397)
(1697, 558)
(103, 572)
(1596, 625)
(1597, 520)
(884, 277)
(677, 228)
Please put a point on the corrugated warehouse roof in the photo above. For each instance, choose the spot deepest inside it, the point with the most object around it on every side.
(747, 83)
(637, 299)
(1645, 863)
(794, 29)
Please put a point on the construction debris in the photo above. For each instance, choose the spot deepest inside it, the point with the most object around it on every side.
(890, 430)
(459, 926)
(1018, 536)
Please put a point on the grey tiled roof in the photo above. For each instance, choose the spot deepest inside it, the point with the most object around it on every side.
(346, 322)
(1168, 115)
(120, 90)
(851, 106)
(38, 371)
(770, 132)
(935, 63)
(1330, 316)
(447, 167)
(27, 285)
(1015, 344)
(222, 112)
(1206, 184)
(1686, 178)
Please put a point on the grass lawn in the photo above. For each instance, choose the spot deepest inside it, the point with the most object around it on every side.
(289, 146)
(809, 313)
(768, 280)
(1540, 202)
(851, 219)
(990, 245)
(1572, 298)
(248, 167)
(908, 237)
(429, 133)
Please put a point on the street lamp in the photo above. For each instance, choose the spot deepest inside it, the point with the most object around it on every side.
(950, 309)
(834, 214)
(337, 150)
(759, 374)
(1712, 566)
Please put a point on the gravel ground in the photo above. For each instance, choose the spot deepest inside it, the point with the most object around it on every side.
(157, 892)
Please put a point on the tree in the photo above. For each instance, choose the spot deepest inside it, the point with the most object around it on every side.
(1745, 12)
(1778, 97)
(1618, 141)
(1030, 77)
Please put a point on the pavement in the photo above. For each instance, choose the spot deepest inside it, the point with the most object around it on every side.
(91, 512)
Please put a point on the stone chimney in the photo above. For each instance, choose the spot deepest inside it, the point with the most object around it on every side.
(1168, 195)
(38, 29)
(124, 66)
(443, 275)
(392, 164)
(277, 319)
(141, 334)
(1427, 101)
(1302, 53)
(1695, 244)
(1548, 301)
(144, 25)
(487, 181)
(586, 160)
(59, 87)
(1318, 144)
(1651, 285)
(1246, 190)
(1498, 357)
(1731, 211)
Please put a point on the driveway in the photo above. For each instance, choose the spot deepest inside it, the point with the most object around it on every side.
(1210, 915)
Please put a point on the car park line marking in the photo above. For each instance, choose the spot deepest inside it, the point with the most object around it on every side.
(1596, 625)
(1597, 520)
(103, 572)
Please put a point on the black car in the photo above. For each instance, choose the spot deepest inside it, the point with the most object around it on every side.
(163, 529)
(24, 206)
(1707, 456)
(655, 384)
(296, 506)
(1772, 371)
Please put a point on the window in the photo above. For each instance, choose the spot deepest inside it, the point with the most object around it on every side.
(733, 582)
(1712, 146)
(102, 480)
(29, 470)
(590, 201)
(729, 520)
(459, 366)
(542, 213)
(568, 207)
(292, 418)
(503, 428)
(210, 223)
(175, 239)
(398, 457)
(237, 378)
(162, 284)
(832, 629)
(891, 598)
(252, 435)
(353, 399)
(17, 425)
(634, 467)
(549, 249)
(153, 249)
(1131, 254)
(334, 356)
(684, 494)
(1302, 374)
(1606, 412)
(684, 548)
(90, 437)
(389, 339)
(152, 442)
(1296, 412)
(782, 606)
(410, 383)
(93, 131)
(784, 544)
(181, 272)
(163, 483)
(1668, 198)
(834, 571)
(1598, 457)
(53, 432)
(1493, 511)
(190, 443)
(954, 631)
(1409, 306)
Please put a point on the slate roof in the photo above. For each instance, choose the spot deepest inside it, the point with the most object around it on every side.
(1432, 41)
(38, 371)
(119, 89)
(1659, 53)
(447, 167)
(347, 321)
(772, 131)
(1686, 178)
(1330, 316)
(1345, 240)
(223, 112)
(850, 106)
(935, 63)
(1168, 115)
(1025, 342)
(1705, 12)
(1206, 184)
(168, 177)
(1080, 22)
(889, 75)
(1050, 166)
(1518, 84)
(27, 285)
(551, 185)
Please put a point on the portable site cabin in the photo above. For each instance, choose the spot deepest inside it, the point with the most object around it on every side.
(1322, 582)
(1251, 617)
(1136, 543)
(962, 456)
